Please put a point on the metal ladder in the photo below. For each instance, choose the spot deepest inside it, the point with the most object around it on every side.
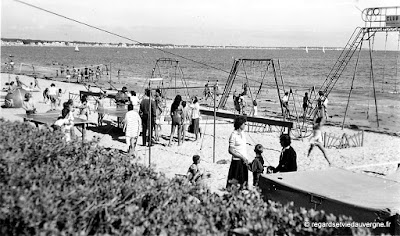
(229, 84)
(344, 58)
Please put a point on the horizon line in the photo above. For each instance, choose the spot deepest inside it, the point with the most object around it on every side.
(4, 39)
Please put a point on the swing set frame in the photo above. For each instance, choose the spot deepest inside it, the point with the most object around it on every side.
(374, 18)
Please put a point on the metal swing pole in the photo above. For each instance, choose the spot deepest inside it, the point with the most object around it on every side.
(174, 76)
(383, 76)
(110, 73)
(397, 62)
(277, 86)
(373, 84)
(150, 128)
(294, 102)
(351, 88)
(215, 115)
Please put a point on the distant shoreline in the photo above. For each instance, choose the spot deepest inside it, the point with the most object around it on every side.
(48, 43)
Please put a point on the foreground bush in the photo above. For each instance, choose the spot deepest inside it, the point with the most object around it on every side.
(51, 187)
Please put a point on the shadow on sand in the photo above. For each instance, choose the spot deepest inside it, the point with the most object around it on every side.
(115, 132)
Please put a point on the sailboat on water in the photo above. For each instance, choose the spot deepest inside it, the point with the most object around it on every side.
(76, 48)
(323, 49)
(306, 49)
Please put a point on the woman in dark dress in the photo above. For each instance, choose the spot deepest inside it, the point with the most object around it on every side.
(238, 173)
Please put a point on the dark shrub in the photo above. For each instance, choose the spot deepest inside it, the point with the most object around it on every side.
(51, 187)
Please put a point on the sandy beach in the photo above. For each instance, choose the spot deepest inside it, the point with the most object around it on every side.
(378, 147)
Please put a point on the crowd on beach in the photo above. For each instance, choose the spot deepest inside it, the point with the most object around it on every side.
(143, 117)
(238, 171)
(84, 74)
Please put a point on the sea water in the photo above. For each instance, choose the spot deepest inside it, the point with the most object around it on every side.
(300, 71)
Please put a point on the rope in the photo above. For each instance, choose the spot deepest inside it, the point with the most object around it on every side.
(121, 36)
(204, 134)
(124, 37)
(262, 80)
(247, 81)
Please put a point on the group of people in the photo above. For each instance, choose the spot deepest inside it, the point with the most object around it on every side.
(83, 74)
(65, 122)
(185, 118)
(139, 111)
(240, 105)
(207, 90)
(27, 102)
(320, 109)
(54, 95)
(238, 170)
(142, 115)
(13, 85)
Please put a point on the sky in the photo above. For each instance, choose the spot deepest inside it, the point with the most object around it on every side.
(266, 23)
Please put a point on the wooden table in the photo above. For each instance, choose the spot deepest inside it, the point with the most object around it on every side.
(118, 112)
(50, 118)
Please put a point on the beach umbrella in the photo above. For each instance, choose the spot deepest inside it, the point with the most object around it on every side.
(16, 96)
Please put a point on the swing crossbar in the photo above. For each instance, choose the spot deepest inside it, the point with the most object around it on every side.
(260, 120)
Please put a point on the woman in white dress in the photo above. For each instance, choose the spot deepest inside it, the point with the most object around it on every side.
(132, 124)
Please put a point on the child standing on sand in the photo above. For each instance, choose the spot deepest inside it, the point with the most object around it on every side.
(100, 109)
(52, 95)
(28, 104)
(59, 96)
(316, 139)
(36, 85)
(186, 116)
(66, 121)
(285, 105)
(84, 108)
(257, 165)
(46, 95)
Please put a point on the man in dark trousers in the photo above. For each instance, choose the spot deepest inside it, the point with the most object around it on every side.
(144, 113)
